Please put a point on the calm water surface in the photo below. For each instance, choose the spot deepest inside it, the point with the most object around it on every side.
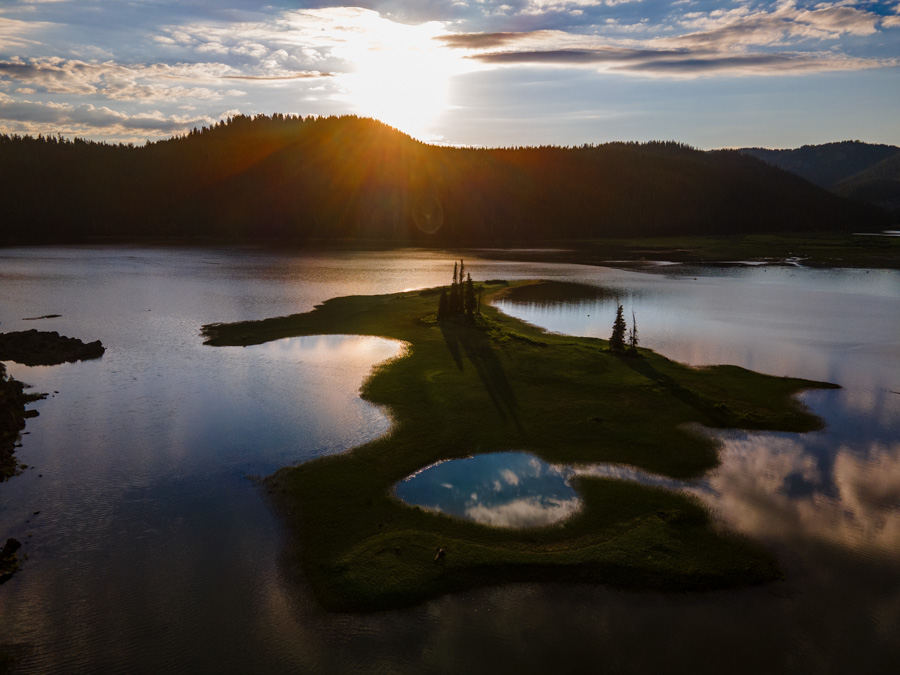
(503, 489)
(155, 550)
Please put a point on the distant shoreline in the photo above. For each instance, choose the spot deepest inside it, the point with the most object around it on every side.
(873, 250)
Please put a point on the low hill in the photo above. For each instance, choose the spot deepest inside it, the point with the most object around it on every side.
(865, 172)
(879, 185)
(351, 178)
(829, 164)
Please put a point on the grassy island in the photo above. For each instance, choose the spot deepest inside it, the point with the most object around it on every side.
(492, 384)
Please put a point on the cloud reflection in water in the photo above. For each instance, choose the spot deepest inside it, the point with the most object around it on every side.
(503, 489)
(774, 488)
(787, 488)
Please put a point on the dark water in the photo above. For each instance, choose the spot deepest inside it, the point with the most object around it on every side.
(154, 550)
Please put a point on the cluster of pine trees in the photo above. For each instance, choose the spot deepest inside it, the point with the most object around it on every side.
(461, 300)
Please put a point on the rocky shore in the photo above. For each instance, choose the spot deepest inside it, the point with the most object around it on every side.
(9, 561)
(30, 348)
(12, 420)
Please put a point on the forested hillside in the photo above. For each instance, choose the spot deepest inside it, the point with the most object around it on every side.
(865, 172)
(879, 185)
(352, 178)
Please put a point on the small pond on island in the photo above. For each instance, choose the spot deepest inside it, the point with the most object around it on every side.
(514, 489)
(151, 549)
(502, 489)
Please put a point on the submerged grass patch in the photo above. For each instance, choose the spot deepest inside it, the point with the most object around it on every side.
(499, 384)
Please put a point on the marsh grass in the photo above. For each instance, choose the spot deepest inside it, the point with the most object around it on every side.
(499, 384)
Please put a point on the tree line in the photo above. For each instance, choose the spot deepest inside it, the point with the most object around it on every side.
(355, 179)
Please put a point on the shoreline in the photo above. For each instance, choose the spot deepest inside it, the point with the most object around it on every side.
(13, 414)
(813, 249)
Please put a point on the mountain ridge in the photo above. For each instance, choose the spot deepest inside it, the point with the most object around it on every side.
(354, 178)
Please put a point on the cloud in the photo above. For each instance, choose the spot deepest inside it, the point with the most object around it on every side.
(130, 83)
(860, 513)
(754, 64)
(572, 56)
(570, 6)
(280, 45)
(685, 62)
(509, 476)
(786, 24)
(892, 21)
(163, 53)
(112, 80)
(310, 75)
(33, 117)
(485, 40)
(526, 512)
(742, 40)
(13, 32)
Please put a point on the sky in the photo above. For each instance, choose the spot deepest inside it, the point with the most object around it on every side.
(479, 73)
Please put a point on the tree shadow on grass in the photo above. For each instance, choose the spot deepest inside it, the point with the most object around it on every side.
(476, 346)
(451, 339)
(644, 367)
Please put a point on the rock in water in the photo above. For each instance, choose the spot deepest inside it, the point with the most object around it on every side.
(9, 561)
(46, 348)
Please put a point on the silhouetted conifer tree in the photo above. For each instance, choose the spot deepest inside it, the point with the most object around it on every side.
(443, 305)
(458, 291)
(617, 339)
(453, 300)
(633, 334)
(471, 302)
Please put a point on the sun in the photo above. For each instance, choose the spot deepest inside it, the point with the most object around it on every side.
(400, 88)
(401, 75)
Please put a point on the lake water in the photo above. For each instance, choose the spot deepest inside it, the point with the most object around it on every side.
(155, 550)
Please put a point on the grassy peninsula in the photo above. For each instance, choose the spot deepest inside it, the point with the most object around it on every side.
(495, 384)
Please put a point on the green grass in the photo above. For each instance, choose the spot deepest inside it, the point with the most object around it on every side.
(463, 389)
